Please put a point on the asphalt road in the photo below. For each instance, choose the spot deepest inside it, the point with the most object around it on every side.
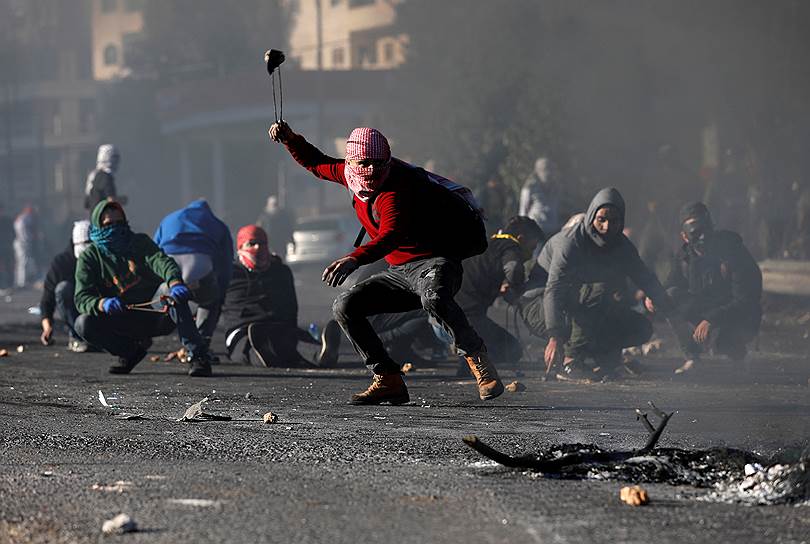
(330, 472)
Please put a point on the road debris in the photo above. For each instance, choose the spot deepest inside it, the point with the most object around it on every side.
(515, 387)
(194, 502)
(247, 396)
(119, 525)
(685, 367)
(154, 358)
(102, 399)
(20, 348)
(653, 346)
(408, 367)
(181, 355)
(118, 487)
(130, 416)
(3, 353)
(270, 417)
(634, 496)
(195, 413)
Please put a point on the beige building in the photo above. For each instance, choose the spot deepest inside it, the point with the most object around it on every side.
(348, 34)
(115, 23)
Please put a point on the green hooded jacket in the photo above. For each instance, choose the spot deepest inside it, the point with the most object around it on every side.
(133, 277)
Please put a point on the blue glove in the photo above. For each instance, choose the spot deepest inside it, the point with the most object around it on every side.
(113, 306)
(180, 293)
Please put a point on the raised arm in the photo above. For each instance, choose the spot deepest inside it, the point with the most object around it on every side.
(307, 155)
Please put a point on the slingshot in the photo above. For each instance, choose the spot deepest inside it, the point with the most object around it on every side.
(166, 302)
(273, 58)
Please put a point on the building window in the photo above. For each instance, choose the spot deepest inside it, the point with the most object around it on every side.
(110, 55)
(338, 56)
(108, 6)
(360, 3)
(87, 115)
(388, 52)
(366, 56)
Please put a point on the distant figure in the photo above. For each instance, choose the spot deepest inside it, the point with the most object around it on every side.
(60, 284)
(727, 193)
(6, 249)
(261, 310)
(202, 246)
(101, 181)
(117, 279)
(653, 243)
(717, 287)
(279, 224)
(540, 197)
(26, 237)
(497, 202)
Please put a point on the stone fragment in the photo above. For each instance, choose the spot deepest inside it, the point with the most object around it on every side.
(515, 387)
(634, 496)
(270, 417)
(408, 367)
(119, 525)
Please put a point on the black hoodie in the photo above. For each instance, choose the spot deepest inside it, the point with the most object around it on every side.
(63, 268)
(580, 255)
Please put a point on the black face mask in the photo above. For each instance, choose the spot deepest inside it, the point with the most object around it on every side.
(697, 234)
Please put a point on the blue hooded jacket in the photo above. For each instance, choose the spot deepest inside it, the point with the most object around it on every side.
(195, 229)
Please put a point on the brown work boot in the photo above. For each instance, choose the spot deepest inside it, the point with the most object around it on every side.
(489, 384)
(384, 388)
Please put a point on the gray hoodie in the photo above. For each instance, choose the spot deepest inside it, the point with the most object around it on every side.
(579, 255)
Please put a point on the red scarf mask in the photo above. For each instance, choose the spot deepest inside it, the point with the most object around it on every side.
(253, 257)
(366, 143)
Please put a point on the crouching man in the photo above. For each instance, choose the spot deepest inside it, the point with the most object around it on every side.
(123, 269)
(588, 264)
(57, 294)
(716, 286)
(410, 225)
(261, 309)
(499, 272)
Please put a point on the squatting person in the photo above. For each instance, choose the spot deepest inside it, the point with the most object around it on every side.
(120, 269)
(716, 286)
(261, 309)
(499, 271)
(412, 229)
(202, 246)
(57, 294)
(588, 264)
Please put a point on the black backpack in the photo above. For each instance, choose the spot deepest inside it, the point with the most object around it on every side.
(467, 237)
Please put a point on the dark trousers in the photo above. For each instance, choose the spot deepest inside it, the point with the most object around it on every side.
(600, 326)
(277, 343)
(206, 296)
(400, 332)
(501, 344)
(727, 338)
(65, 306)
(121, 334)
(429, 284)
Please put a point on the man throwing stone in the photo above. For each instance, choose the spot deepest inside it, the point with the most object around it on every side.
(408, 226)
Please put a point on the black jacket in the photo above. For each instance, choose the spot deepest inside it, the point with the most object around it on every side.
(726, 278)
(485, 273)
(63, 268)
(260, 296)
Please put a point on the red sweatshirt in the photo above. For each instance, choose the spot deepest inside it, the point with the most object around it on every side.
(399, 234)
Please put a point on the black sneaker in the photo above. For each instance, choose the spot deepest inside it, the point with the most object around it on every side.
(200, 367)
(330, 345)
(126, 364)
(577, 373)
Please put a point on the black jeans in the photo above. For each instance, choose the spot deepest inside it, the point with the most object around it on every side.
(121, 334)
(430, 284)
(728, 338)
(278, 343)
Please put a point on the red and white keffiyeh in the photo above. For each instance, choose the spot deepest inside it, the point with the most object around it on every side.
(366, 143)
(256, 257)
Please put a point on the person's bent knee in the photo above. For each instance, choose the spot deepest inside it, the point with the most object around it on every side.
(342, 307)
(84, 325)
